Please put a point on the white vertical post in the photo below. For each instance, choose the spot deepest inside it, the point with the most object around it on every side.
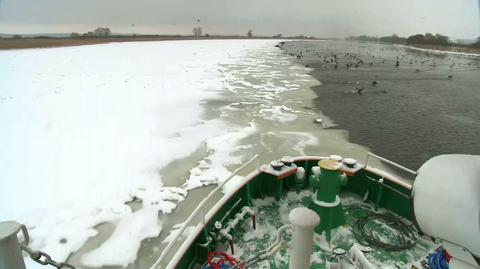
(303, 222)
(359, 258)
(10, 252)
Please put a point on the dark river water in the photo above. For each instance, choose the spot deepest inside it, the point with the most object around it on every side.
(427, 105)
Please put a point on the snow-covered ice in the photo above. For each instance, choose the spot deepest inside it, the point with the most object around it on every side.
(213, 169)
(465, 54)
(278, 113)
(85, 129)
(130, 231)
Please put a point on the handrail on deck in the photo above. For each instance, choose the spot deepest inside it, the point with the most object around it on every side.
(401, 167)
(195, 212)
(200, 207)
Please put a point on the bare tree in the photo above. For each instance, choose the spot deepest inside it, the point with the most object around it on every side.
(100, 31)
(429, 36)
(250, 33)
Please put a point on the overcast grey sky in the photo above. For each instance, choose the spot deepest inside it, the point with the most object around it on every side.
(322, 18)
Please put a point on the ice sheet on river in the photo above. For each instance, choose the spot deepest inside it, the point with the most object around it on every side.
(89, 128)
(85, 129)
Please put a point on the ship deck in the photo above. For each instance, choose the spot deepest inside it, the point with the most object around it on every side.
(376, 229)
(272, 214)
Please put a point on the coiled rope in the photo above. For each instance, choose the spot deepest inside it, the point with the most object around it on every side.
(403, 236)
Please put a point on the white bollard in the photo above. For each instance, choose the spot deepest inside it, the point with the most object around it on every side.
(303, 222)
(359, 259)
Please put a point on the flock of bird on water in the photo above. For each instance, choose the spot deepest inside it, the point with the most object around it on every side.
(351, 61)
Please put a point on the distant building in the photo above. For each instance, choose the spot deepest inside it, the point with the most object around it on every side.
(197, 31)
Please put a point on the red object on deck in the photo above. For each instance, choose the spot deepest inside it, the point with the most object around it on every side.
(216, 260)
(448, 256)
(350, 174)
(293, 172)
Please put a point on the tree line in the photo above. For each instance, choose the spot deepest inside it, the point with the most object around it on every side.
(418, 39)
(99, 32)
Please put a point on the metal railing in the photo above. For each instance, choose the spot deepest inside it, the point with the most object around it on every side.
(401, 167)
(199, 209)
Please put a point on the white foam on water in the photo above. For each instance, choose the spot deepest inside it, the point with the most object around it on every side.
(95, 125)
(300, 140)
(306, 140)
(86, 129)
(164, 199)
(121, 248)
(213, 168)
(277, 113)
(73, 226)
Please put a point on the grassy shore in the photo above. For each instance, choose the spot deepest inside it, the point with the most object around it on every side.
(48, 42)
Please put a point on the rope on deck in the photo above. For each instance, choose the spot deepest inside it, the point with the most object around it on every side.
(364, 230)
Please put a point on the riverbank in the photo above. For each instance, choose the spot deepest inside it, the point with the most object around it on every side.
(466, 51)
(426, 106)
(47, 42)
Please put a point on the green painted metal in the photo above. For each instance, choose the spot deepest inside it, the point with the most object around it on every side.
(251, 243)
(326, 185)
(395, 198)
(399, 204)
(327, 188)
(379, 196)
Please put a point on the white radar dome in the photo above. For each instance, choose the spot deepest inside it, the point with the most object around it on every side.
(446, 199)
